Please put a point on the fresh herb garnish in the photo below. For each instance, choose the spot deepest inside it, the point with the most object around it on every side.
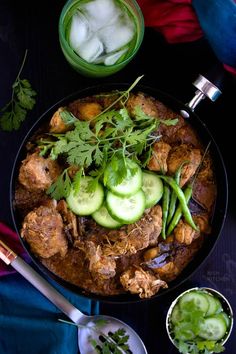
(61, 188)
(22, 101)
(114, 138)
(116, 342)
(186, 331)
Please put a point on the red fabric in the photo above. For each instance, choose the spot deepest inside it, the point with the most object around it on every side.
(230, 69)
(175, 19)
(12, 240)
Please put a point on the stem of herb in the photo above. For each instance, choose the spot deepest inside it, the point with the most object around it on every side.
(121, 96)
(22, 65)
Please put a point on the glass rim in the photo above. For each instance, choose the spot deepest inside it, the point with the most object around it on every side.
(93, 67)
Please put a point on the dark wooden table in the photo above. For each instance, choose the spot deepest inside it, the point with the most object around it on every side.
(33, 25)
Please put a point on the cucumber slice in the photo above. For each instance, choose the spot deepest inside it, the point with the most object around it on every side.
(130, 185)
(103, 218)
(152, 187)
(213, 328)
(183, 332)
(226, 318)
(176, 315)
(126, 210)
(83, 202)
(214, 305)
(200, 301)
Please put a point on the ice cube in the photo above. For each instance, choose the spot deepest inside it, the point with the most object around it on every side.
(91, 49)
(116, 36)
(101, 13)
(79, 31)
(111, 59)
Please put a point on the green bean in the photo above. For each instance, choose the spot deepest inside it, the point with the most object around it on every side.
(178, 213)
(165, 208)
(182, 200)
(173, 194)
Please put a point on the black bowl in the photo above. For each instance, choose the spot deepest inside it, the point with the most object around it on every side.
(220, 205)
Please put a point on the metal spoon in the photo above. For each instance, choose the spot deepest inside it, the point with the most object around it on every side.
(86, 324)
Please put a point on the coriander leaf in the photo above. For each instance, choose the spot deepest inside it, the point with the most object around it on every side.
(109, 132)
(58, 147)
(6, 121)
(67, 117)
(11, 120)
(76, 181)
(98, 156)
(92, 185)
(183, 347)
(140, 115)
(15, 111)
(218, 348)
(26, 84)
(117, 170)
(169, 122)
(82, 129)
(81, 155)
(25, 95)
(95, 345)
(100, 322)
(61, 188)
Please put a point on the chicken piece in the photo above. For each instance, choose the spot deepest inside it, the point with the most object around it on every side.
(168, 271)
(206, 170)
(184, 233)
(43, 230)
(141, 282)
(186, 135)
(137, 236)
(169, 132)
(159, 157)
(25, 200)
(57, 125)
(99, 265)
(69, 220)
(180, 154)
(37, 173)
(85, 110)
(147, 105)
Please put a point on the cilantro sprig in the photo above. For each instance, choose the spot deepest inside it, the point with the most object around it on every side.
(113, 342)
(113, 138)
(22, 101)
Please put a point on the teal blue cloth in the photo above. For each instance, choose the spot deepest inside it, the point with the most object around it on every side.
(218, 21)
(29, 322)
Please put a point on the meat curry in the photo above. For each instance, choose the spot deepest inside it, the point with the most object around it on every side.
(133, 258)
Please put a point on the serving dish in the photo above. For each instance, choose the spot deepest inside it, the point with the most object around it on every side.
(220, 175)
(213, 317)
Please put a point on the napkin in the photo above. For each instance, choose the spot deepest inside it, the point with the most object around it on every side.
(29, 321)
(188, 20)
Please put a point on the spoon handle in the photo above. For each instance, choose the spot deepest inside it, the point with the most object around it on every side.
(46, 289)
(9, 257)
